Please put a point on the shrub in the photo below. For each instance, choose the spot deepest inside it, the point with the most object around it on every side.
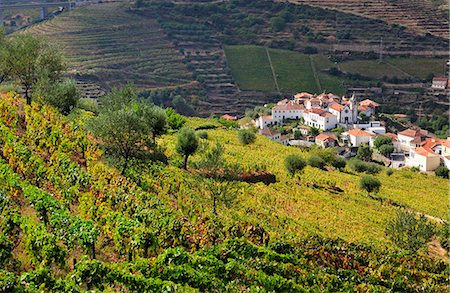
(174, 120)
(203, 134)
(408, 231)
(386, 150)
(364, 153)
(206, 126)
(360, 166)
(294, 164)
(389, 172)
(316, 162)
(369, 184)
(442, 172)
(339, 163)
(246, 136)
(382, 140)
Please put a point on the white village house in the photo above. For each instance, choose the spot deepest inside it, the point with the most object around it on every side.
(357, 137)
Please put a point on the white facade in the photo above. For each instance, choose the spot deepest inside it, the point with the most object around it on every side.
(283, 112)
(424, 160)
(263, 122)
(358, 137)
(320, 119)
(405, 142)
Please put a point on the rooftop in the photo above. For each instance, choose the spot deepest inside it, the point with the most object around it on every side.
(359, 132)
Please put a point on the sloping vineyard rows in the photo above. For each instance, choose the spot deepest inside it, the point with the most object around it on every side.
(423, 16)
(114, 46)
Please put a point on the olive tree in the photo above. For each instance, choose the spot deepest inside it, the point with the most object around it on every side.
(187, 144)
(31, 58)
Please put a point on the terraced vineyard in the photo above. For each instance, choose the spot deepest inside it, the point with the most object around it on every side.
(107, 45)
(422, 16)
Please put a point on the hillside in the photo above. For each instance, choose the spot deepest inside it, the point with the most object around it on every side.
(422, 16)
(107, 46)
(71, 222)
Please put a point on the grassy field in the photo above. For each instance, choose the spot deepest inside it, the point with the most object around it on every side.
(294, 72)
(115, 46)
(250, 68)
(399, 67)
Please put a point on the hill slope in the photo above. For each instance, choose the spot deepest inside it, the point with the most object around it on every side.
(421, 16)
(69, 221)
(106, 44)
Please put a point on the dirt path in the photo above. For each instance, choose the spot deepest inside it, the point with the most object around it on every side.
(316, 77)
(273, 70)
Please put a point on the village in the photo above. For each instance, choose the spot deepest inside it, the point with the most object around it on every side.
(327, 120)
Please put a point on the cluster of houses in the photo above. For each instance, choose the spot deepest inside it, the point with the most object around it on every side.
(327, 111)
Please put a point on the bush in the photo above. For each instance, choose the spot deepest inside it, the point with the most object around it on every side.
(389, 172)
(442, 172)
(360, 166)
(382, 140)
(386, 150)
(203, 134)
(339, 163)
(369, 184)
(408, 231)
(316, 162)
(246, 136)
(364, 153)
(294, 164)
(206, 126)
(174, 120)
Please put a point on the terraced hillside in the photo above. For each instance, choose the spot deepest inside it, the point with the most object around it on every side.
(105, 44)
(422, 16)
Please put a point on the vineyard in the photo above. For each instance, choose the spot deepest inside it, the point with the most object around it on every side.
(70, 222)
(106, 46)
(422, 16)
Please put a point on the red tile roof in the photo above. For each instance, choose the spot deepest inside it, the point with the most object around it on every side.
(409, 132)
(326, 136)
(303, 95)
(392, 135)
(337, 107)
(229, 117)
(426, 152)
(440, 79)
(283, 102)
(289, 107)
(268, 132)
(359, 132)
(369, 103)
(266, 118)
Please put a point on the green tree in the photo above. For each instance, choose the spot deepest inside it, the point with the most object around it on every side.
(175, 120)
(5, 59)
(382, 140)
(126, 126)
(408, 231)
(187, 144)
(364, 153)
(313, 131)
(246, 136)
(219, 192)
(369, 184)
(339, 162)
(294, 164)
(386, 150)
(316, 161)
(442, 172)
(32, 58)
(62, 95)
